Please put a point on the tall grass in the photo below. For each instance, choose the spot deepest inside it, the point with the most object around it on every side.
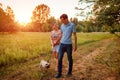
(84, 38)
(19, 47)
(22, 46)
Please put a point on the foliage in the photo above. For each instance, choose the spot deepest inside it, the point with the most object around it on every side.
(85, 8)
(79, 28)
(102, 16)
(7, 20)
(74, 20)
(104, 13)
(108, 11)
(41, 13)
(39, 16)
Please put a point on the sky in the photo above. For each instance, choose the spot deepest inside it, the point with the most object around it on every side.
(23, 8)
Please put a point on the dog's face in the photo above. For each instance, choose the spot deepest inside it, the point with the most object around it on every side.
(44, 64)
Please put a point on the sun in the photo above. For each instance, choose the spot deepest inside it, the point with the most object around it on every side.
(22, 18)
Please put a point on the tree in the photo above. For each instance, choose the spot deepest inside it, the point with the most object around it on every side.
(79, 28)
(85, 8)
(39, 16)
(41, 13)
(74, 20)
(106, 12)
(10, 13)
(50, 23)
(2, 20)
(7, 22)
(10, 19)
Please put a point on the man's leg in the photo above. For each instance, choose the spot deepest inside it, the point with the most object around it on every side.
(60, 57)
(70, 60)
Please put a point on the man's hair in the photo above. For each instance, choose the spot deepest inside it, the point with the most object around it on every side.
(64, 16)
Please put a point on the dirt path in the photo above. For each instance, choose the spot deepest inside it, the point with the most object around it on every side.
(83, 64)
(86, 60)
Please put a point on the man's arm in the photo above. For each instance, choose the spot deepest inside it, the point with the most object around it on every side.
(75, 41)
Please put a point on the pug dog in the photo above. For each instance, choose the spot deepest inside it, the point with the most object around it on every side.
(44, 64)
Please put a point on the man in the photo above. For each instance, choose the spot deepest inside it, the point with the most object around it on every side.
(66, 29)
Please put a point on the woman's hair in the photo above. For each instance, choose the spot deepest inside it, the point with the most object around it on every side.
(64, 16)
(55, 24)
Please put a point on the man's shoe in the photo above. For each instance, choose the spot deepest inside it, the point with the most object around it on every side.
(57, 75)
(68, 75)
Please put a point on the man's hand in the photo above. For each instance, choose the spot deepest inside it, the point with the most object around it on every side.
(75, 48)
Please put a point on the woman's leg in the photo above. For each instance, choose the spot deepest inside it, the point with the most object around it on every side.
(56, 58)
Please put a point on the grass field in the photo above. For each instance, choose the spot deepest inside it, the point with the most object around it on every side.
(22, 46)
(20, 54)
